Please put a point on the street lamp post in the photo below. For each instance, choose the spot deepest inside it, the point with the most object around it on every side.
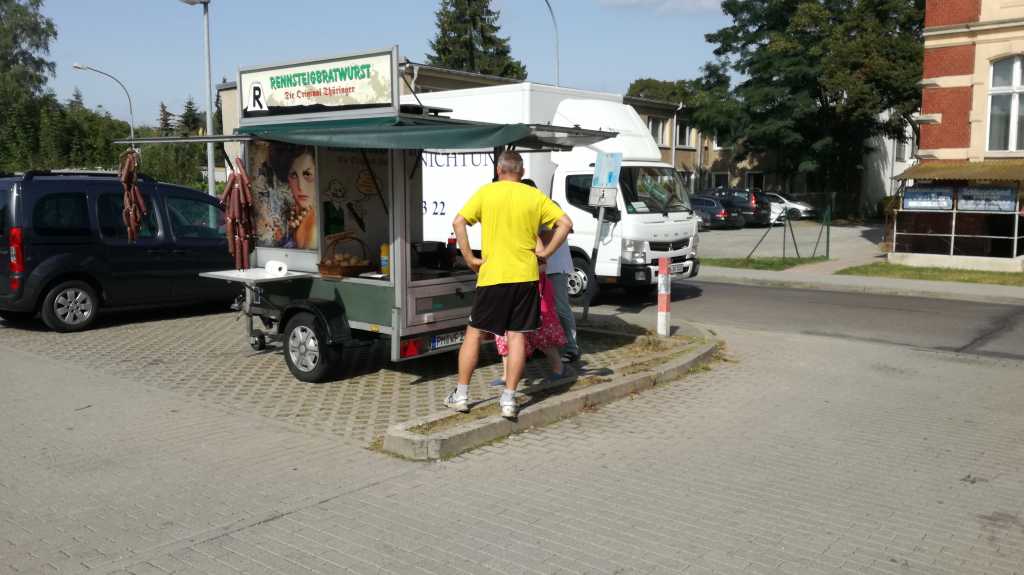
(131, 113)
(555, 24)
(210, 184)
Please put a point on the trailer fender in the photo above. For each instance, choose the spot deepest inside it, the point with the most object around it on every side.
(331, 315)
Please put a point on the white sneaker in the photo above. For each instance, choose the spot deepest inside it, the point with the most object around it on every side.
(509, 407)
(457, 402)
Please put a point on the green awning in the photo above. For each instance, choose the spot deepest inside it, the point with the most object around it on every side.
(414, 132)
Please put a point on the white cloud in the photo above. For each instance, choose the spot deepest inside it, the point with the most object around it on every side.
(666, 5)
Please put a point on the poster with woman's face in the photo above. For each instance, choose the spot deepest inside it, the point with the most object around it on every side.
(285, 195)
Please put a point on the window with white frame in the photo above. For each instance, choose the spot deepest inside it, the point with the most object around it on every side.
(657, 127)
(720, 179)
(683, 136)
(716, 144)
(1005, 122)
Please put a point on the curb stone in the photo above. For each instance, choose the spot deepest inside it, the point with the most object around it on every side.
(401, 441)
(907, 291)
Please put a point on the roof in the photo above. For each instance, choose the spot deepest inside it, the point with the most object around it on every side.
(1000, 170)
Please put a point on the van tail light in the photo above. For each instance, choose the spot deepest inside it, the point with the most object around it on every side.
(16, 267)
(722, 214)
(753, 201)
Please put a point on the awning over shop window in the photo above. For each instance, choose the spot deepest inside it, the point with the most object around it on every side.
(995, 170)
(411, 132)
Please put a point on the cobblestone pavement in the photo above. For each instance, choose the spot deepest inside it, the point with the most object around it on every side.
(791, 459)
(207, 357)
(805, 454)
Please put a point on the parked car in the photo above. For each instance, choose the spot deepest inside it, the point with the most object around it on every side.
(65, 254)
(713, 214)
(794, 210)
(753, 205)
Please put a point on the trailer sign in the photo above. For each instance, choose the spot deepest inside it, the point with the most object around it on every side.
(356, 82)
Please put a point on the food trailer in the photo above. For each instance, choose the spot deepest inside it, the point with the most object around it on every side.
(334, 164)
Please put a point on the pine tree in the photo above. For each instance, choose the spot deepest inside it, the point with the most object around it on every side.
(467, 39)
(166, 121)
(191, 119)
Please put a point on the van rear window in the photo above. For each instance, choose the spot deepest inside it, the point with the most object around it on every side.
(5, 209)
(61, 215)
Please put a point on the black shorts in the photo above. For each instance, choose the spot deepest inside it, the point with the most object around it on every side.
(506, 307)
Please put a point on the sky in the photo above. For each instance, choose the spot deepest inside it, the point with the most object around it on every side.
(155, 47)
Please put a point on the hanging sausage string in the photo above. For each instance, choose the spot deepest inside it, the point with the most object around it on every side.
(134, 207)
(238, 217)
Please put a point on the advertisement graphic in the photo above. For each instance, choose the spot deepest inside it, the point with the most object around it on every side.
(329, 85)
(284, 188)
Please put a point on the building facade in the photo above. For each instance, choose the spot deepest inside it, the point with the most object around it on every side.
(966, 208)
(972, 81)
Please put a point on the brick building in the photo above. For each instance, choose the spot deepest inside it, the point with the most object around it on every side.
(970, 106)
(965, 209)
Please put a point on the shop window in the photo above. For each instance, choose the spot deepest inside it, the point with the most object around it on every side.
(1005, 122)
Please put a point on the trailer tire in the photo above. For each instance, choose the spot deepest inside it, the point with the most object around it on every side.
(582, 282)
(306, 351)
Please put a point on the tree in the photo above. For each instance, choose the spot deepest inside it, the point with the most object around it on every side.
(25, 36)
(191, 119)
(165, 121)
(817, 77)
(467, 39)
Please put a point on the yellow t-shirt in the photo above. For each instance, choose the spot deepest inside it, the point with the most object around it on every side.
(511, 213)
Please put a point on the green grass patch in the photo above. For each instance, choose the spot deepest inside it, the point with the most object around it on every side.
(771, 264)
(887, 270)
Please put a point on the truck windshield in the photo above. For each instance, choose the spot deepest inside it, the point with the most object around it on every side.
(647, 189)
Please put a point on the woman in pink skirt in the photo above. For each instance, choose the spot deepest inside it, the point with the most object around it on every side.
(549, 337)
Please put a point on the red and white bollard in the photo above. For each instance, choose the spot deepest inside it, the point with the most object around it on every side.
(664, 298)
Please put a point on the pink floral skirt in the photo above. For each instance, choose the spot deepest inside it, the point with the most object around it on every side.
(550, 333)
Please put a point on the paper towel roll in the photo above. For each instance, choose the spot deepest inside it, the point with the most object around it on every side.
(276, 269)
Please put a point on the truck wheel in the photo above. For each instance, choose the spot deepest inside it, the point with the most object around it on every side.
(582, 282)
(310, 358)
(70, 306)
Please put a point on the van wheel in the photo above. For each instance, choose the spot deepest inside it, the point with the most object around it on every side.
(70, 306)
(306, 350)
(582, 282)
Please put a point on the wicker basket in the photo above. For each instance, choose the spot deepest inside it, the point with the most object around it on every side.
(329, 267)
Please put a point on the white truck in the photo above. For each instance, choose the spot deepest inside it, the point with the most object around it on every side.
(653, 217)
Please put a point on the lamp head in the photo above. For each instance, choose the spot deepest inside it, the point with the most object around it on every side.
(78, 66)
(195, 2)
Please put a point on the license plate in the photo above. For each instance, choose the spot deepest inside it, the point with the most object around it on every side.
(677, 268)
(447, 339)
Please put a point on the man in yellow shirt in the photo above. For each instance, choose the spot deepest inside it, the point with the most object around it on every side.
(507, 300)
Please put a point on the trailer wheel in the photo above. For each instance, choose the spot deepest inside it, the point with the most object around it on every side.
(310, 358)
(258, 342)
(582, 282)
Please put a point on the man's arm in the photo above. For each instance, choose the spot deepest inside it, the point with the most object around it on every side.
(462, 237)
(562, 227)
